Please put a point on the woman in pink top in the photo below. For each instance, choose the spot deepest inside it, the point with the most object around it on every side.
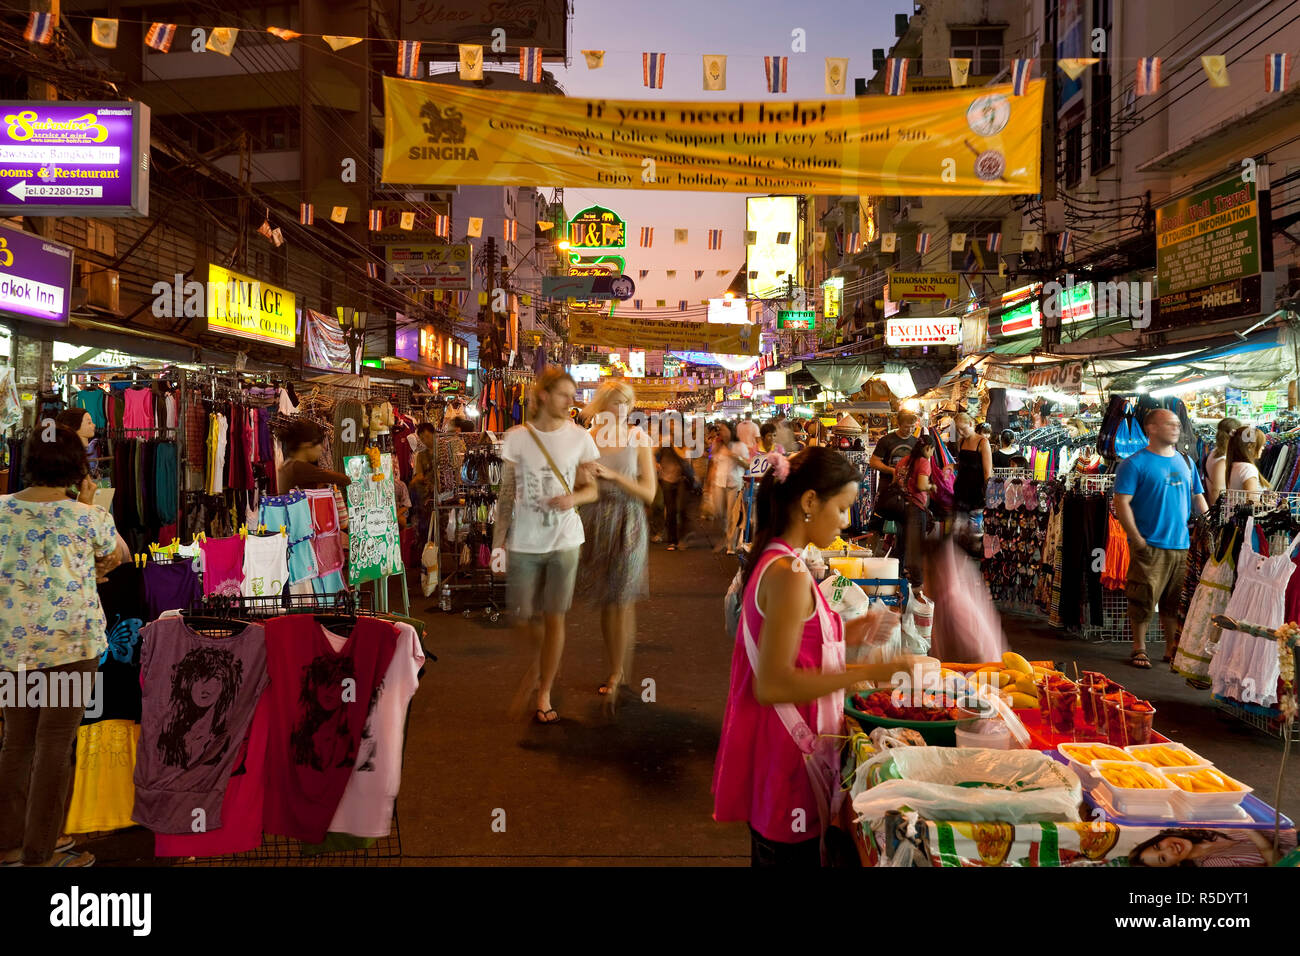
(788, 671)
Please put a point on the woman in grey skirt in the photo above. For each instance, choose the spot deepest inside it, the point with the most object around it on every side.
(615, 554)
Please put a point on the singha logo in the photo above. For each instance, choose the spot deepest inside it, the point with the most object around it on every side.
(442, 126)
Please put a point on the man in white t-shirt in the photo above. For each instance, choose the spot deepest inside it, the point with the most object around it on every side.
(748, 432)
(538, 534)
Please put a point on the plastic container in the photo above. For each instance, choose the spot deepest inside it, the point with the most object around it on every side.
(1137, 800)
(1061, 702)
(1040, 685)
(1084, 767)
(1143, 752)
(1087, 702)
(1137, 723)
(1195, 806)
(986, 734)
(1116, 731)
(876, 569)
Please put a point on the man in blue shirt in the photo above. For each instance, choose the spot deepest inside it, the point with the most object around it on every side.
(1154, 493)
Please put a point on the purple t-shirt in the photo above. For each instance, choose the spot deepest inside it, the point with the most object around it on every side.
(171, 587)
(199, 697)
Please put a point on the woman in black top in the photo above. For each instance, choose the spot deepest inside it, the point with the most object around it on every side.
(974, 465)
(1008, 450)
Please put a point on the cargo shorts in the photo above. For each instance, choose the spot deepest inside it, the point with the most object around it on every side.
(541, 583)
(1155, 575)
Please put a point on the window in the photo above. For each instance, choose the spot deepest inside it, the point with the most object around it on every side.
(977, 241)
(983, 47)
(1073, 162)
(1099, 120)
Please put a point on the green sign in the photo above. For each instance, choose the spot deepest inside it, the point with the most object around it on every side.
(374, 542)
(373, 363)
(1208, 255)
(597, 228)
(804, 319)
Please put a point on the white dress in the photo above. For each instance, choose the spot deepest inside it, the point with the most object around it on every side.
(1200, 637)
(1244, 667)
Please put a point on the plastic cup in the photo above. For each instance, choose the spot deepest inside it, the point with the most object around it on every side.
(1061, 701)
(1093, 694)
(1137, 723)
(1087, 682)
(1116, 731)
(1040, 685)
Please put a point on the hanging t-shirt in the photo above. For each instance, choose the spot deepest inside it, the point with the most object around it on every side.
(366, 808)
(266, 565)
(223, 566)
(103, 791)
(241, 807)
(320, 701)
(122, 596)
(199, 697)
(92, 400)
(137, 420)
(170, 586)
(536, 528)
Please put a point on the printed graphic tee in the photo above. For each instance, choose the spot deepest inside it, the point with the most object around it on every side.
(366, 809)
(122, 597)
(320, 700)
(536, 528)
(199, 696)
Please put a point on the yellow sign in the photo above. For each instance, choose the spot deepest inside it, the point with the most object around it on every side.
(717, 394)
(924, 285)
(248, 308)
(829, 422)
(625, 331)
(783, 399)
(979, 141)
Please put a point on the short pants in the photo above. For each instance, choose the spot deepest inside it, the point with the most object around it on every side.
(1155, 574)
(541, 583)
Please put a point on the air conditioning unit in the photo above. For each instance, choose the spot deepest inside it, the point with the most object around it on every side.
(102, 289)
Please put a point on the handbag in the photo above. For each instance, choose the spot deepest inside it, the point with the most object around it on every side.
(549, 460)
(892, 503)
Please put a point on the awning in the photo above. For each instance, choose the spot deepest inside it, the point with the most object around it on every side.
(844, 375)
(1264, 359)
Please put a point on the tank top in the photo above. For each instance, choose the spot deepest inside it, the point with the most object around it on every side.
(625, 460)
(759, 776)
(969, 486)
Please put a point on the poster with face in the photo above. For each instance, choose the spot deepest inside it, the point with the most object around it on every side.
(374, 540)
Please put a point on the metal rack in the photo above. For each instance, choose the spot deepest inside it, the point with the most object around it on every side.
(1261, 502)
(476, 586)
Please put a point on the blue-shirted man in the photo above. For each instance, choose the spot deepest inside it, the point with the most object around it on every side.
(1155, 490)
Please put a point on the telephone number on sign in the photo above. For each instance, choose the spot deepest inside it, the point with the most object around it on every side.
(85, 192)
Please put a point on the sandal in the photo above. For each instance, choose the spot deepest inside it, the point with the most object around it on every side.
(64, 845)
(542, 717)
(1140, 660)
(672, 547)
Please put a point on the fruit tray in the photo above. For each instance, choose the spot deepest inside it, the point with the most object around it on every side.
(1156, 798)
(1157, 754)
(1195, 804)
(1078, 755)
(1253, 814)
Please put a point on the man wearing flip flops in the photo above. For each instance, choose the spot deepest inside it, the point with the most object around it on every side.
(1155, 490)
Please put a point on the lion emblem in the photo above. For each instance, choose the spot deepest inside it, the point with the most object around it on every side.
(442, 126)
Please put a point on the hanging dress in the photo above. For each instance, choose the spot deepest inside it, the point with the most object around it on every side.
(1245, 668)
(1200, 635)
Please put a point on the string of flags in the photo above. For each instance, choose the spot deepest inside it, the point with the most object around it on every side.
(42, 28)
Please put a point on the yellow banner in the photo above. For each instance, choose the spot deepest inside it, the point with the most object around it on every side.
(980, 141)
(248, 308)
(924, 285)
(619, 331)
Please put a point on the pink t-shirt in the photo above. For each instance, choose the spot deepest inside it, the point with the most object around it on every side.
(366, 809)
(137, 415)
(759, 776)
(223, 565)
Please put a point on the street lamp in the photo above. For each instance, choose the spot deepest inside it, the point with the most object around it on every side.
(563, 245)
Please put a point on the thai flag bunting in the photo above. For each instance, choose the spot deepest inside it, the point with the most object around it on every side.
(283, 33)
(644, 273)
(994, 242)
(647, 236)
(853, 243)
(1148, 76)
(441, 225)
(775, 68)
(1063, 242)
(681, 305)
(376, 220)
(530, 64)
(652, 70)
(372, 270)
(408, 58)
(1021, 70)
(1277, 72)
(715, 238)
(160, 36)
(40, 28)
(896, 76)
(698, 273)
(636, 303)
(306, 213)
(922, 242)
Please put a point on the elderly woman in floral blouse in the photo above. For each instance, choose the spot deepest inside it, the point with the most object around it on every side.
(52, 550)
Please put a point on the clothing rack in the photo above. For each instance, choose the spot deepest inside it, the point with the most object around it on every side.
(1089, 484)
(1261, 502)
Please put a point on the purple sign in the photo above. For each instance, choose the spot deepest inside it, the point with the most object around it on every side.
(74, 159)
(407, 344)
(35, 277)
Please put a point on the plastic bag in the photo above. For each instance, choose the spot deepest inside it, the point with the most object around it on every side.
(917, 623)
(845, 598)
(946, 783)
(812, 556)
(731, 605)
(890, 649)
